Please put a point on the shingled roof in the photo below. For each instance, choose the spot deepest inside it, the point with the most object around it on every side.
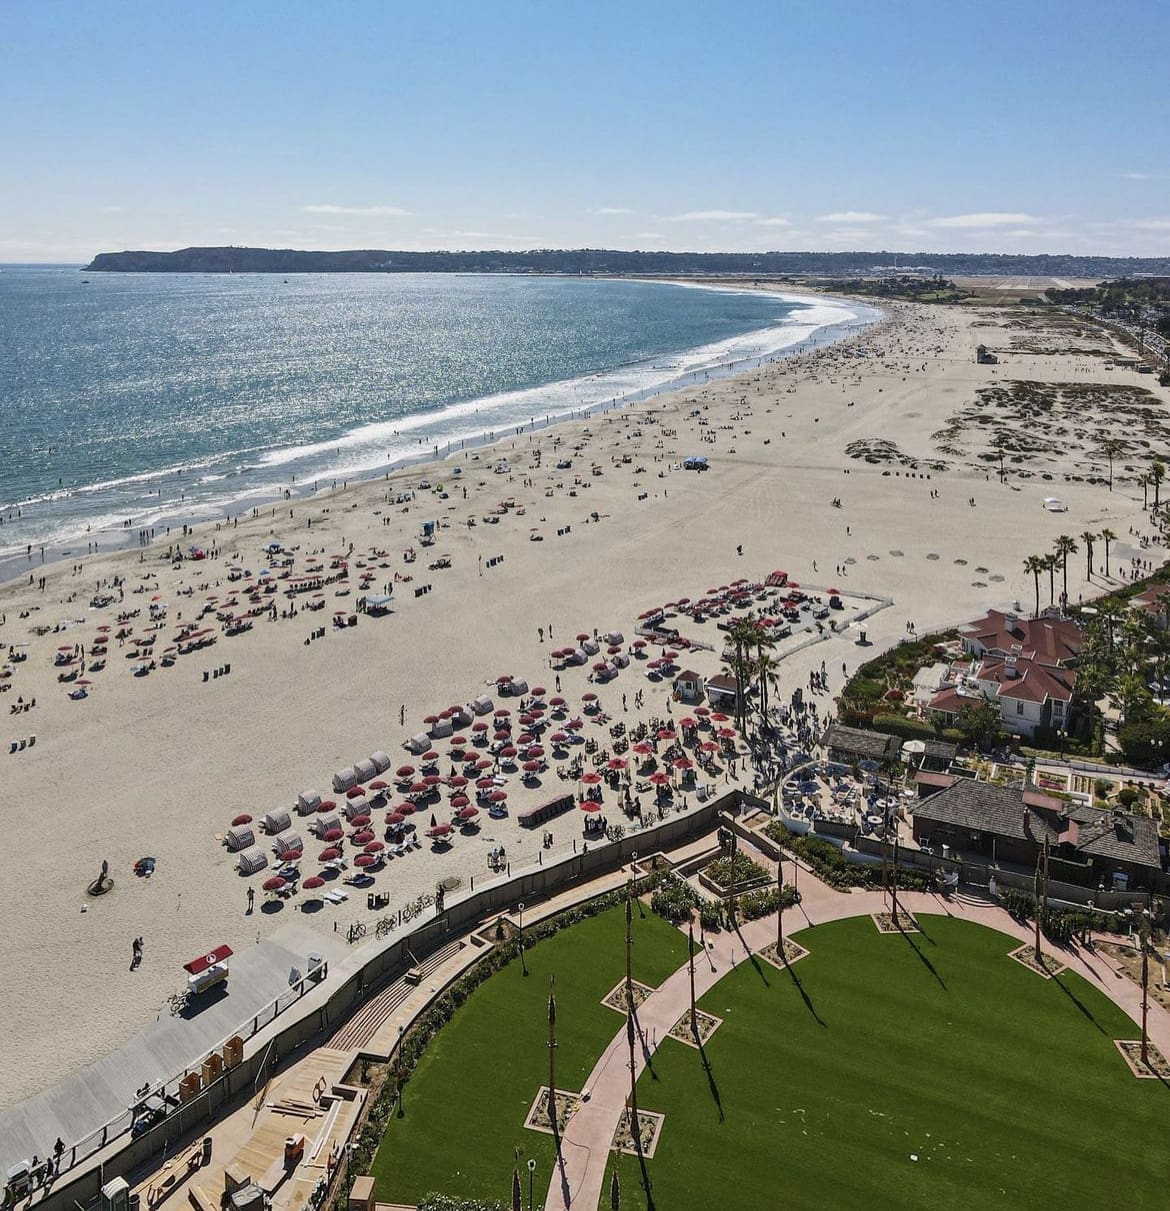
(873, 746)
(1114, 836)
(984, 807)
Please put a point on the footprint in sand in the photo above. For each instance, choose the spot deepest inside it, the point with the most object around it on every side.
(961, 562)
(873, 558)
(979, 584)
(896, 554)
(931, 555)
(996, 579)
(850, 559)
(982, 571)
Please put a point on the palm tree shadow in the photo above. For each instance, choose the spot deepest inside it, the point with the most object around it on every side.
(1072, 996)
(803, 994)
(925, 961)
(710, 1078)
(647, 1054)
(751, 957)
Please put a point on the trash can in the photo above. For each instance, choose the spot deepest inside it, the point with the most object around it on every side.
(206, 1151)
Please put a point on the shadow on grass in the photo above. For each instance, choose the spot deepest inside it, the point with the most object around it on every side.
(647, 1054)
(710, 1078)
(925, 961)
(747, 950)
(803, 994)
(1072, 996)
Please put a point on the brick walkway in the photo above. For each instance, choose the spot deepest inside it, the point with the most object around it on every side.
(586, 1142)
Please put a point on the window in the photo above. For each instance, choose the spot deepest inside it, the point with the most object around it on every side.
(1019, 707)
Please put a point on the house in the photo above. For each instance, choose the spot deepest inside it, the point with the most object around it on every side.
(1010, 824)
(723, 691)
(688, 686)
(983, 818)
(847, 745)
(1029, 695)
(1055, 642)
(1147, 601)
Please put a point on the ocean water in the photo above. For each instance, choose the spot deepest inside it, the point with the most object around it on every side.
(159, 399)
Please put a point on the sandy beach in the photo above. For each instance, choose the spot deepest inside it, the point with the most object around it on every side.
(898, 423)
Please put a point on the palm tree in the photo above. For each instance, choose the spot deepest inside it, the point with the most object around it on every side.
(1157, 474)
(1144, 480)
(742, 634)
(1111, 449)
(767, 670)
(1051, 563)
(1088, 538)
(1035, 565)
(1107, 536)
(1065, 546)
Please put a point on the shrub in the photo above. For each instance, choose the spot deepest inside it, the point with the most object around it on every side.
(760, 903)
(710, 917)
(725, 871)
(908, 729)
(448, 1202)
(674, 900)
(1128, 796)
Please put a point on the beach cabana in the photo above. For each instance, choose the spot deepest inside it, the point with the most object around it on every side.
(289, 841)
(276, 821)
(364, 770)
(381, 761)
(417, 744)
(482, 705)
(688, 686)
(344, 779)
(359, 805)
(590, 646)
(378, 605)
(326, 823)
(251, 860)
(441, 727)
(460, 716)
(613, 638)
(307, 803)
(239, 837)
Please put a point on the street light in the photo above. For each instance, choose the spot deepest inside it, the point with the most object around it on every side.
(531, 1174)
(523, 964)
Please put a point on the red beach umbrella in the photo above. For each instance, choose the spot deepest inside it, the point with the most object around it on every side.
(366, 860)
(666, 733)
(479, 727)
(354, 792)
(432, 780)
(375, 847)
(405, 771)
(535, 750)
(643, 748)
(359, 821)
(538, 691)
(559, 737)
(327, 805)
(242, 818)
(273, 884)
(395, 818)
(616, 763)
(313, 882)
(457, 780)
(558, 701)
(684, 763)
(378, 785)
(430, 755)
(363, 837)
(591, 778)
(468, 813)
(590, 805)
(334, 834)
(459, 801)
(405, 809)
(329, 855)
(484, 783)
(439, 830)
(709, 746)
(660, 779)
(484, 763)
(508, 750)
(499, 796)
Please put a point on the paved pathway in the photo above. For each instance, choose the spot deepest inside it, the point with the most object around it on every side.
(585, 1144)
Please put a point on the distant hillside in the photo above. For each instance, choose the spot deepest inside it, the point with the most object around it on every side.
(599, 260)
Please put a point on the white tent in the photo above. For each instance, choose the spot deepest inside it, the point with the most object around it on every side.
(343, 780)
(364, 770)
(418, 743)
(288, 841)
(357, 806)
(441, 728)
(251, 860)
(307, 803)
(381, 761)
(276, 821)
(239, 837)
(483, 705)
(324, 823)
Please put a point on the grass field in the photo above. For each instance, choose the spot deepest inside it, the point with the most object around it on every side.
(928, 1071)
(466, 1103)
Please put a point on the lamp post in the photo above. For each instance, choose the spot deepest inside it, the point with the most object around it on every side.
(780, 910)
(1142, 920)
(531, 1175)
(523, 963)
(691, 966)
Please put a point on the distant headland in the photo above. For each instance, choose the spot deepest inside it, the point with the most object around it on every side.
(610, 261)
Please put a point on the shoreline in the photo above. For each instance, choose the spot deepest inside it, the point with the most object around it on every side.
(159, 764)
(197, 522)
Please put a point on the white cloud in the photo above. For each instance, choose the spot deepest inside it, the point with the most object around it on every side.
(1152, 224)
(710, 216)
(394, 212)
(648, 235)
(613, 210)
(1142, 176)
(776, 221)
(850, 216)
(986, 218)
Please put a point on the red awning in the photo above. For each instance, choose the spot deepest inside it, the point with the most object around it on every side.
(208, 960)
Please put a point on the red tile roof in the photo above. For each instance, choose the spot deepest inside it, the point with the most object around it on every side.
(1030, 682)
(1050, 641)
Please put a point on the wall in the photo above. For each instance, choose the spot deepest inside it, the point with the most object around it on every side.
(369, 968)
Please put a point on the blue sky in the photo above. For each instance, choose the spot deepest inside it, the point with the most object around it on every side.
(943, 126)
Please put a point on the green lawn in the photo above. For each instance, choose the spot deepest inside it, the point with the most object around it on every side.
(466, 1103)
(1006, 1087)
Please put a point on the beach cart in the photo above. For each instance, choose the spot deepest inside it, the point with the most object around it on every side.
(208, 969)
